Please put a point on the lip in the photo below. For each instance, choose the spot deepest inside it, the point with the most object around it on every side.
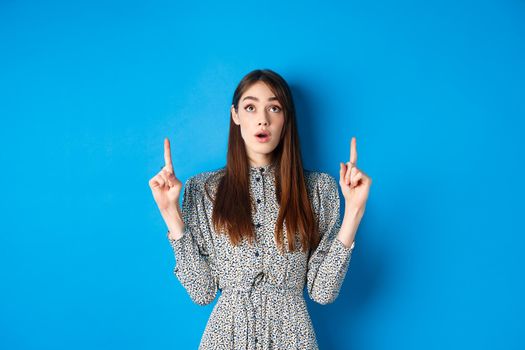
(264, 139)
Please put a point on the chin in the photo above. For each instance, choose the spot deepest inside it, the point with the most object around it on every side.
(264, 149)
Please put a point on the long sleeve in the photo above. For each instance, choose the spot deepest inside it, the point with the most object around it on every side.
(328, 264)
(194, 266)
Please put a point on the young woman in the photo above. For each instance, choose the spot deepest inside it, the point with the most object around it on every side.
(262, 227)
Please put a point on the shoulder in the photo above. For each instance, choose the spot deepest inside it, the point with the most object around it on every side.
(205, 182)
(204, 177)
(323, 190)
(319, 180)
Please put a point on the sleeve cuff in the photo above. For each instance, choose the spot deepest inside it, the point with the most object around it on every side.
(176, 244)
(341, 247)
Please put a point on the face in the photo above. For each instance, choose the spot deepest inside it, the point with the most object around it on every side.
(259, 113)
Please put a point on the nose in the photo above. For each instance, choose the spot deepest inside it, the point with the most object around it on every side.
(264, 119)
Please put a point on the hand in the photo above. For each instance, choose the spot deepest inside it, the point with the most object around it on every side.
(355, 184)
(166, 187)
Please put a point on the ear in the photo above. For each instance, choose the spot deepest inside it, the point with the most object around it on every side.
(234, 115)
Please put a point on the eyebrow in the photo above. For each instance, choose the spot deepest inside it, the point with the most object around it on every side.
(273, 98)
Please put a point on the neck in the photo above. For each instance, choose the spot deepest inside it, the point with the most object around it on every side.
(260, 161)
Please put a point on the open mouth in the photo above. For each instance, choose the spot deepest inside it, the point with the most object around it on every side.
(263, 136)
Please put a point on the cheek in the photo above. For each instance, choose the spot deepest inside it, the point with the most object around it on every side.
(280, 127)
(245, 131)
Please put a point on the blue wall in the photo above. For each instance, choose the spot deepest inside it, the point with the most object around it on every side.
(433, 91)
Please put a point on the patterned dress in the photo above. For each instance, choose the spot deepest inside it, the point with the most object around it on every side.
(261, 304)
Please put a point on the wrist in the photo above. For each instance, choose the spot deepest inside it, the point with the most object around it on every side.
(353, 212)
(174, 223)
(171, 212)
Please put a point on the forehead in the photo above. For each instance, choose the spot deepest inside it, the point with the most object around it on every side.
(260, 91)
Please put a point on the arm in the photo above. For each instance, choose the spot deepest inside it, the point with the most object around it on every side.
(194, 264)
(328, 264)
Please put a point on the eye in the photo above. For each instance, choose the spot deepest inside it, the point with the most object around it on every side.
(278, 108)
(248, 106)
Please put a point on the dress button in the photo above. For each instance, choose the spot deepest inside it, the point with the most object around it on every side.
(258, 200)
(258, 225)
(257, 178)
(256, 253)
(262, 170)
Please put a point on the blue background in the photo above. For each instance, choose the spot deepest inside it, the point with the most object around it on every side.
(433, 91)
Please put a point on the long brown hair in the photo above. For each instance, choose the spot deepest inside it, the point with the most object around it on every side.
(233, 204)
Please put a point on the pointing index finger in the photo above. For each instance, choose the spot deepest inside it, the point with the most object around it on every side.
(167, 153)
(353, 151)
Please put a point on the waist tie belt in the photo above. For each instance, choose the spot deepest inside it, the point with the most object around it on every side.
(247, 326)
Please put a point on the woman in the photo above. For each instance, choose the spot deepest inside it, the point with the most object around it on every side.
(261, 227)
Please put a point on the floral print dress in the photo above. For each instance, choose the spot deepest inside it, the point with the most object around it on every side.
(261, 303)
